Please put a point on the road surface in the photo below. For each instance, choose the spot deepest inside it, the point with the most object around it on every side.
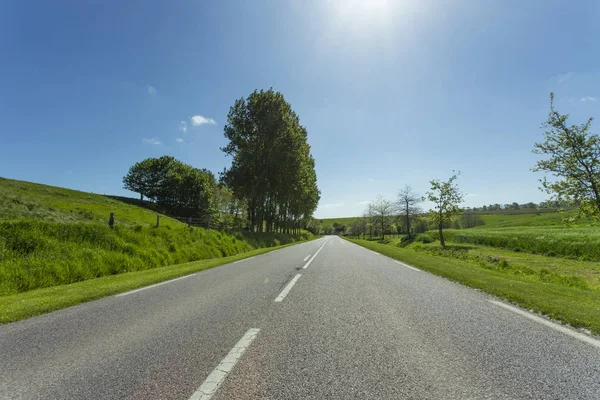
(352, 324)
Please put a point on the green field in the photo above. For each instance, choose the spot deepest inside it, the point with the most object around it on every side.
(578, 243)
(51, 236)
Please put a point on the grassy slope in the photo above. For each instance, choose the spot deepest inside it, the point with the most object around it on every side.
(36, 302)
(577, 306)
(51, 236)
(21, 200)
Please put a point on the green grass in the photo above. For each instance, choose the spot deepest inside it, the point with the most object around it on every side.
(529, 218)
(36, 254)
(574, 242)
(561, 289)
(51, 236)
(24, 305)
(21, 200)
(330, 221)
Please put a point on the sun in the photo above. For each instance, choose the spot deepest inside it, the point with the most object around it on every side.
(362, 15)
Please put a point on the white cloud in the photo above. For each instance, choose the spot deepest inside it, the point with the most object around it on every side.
(198, 120)
(363, 203)
(371, 180)
(154, 141)
(183, 126)
(179, 140)
(151, 90)
(332, 205)
(589, 99)
(564, 77)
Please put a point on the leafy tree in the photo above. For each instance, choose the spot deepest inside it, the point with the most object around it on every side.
(358, 226)
(382, 210)
(407, 205)
(446, 197)
(272, 170)
(138, 178)
(574, 159)
(177, 188)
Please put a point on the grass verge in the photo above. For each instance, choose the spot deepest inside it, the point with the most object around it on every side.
(35, 302)
(578, 307)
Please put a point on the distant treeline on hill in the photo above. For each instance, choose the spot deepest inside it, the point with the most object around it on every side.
(545, 205)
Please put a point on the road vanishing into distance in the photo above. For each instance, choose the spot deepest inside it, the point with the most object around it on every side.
(325, 319)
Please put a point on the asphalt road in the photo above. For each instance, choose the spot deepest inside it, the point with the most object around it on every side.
(353, 324)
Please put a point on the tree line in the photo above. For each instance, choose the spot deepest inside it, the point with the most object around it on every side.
(405, 215)
(270, 186)
(272, 170)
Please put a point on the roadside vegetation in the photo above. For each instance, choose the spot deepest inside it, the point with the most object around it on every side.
(51, 237)
(36, 254)
(35, 302)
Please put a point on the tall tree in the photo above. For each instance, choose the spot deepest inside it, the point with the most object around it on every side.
(574, 159)
(382, 209)
(407, 205)
(272, 169)
(446, 198)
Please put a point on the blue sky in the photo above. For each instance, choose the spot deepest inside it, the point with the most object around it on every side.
(391, 92)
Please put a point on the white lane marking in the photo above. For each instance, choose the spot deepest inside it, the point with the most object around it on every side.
(211, 384)
(152, 286)
(552, 325)
(374, 252)
(406, 265)
(313, 257)
(245, 259)
(307, 257)
(287, 289)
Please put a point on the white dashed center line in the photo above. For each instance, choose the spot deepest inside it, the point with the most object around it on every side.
(216, 378)
(287, 289)
(307, 257)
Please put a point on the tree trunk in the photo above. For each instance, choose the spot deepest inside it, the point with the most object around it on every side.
(442, 242)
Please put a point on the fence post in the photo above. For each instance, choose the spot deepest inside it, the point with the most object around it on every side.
(111, 220)
(157, 220)
(189, 221)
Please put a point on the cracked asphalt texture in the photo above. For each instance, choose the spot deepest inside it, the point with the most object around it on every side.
(355, 325)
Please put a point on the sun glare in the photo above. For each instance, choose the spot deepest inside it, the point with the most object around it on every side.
(363, 15)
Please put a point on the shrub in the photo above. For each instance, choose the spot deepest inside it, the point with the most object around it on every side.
(424, 238)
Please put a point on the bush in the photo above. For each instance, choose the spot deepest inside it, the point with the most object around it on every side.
(424, 238)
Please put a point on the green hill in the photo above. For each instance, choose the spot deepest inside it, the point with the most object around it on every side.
(21, 200)
(51, 236)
